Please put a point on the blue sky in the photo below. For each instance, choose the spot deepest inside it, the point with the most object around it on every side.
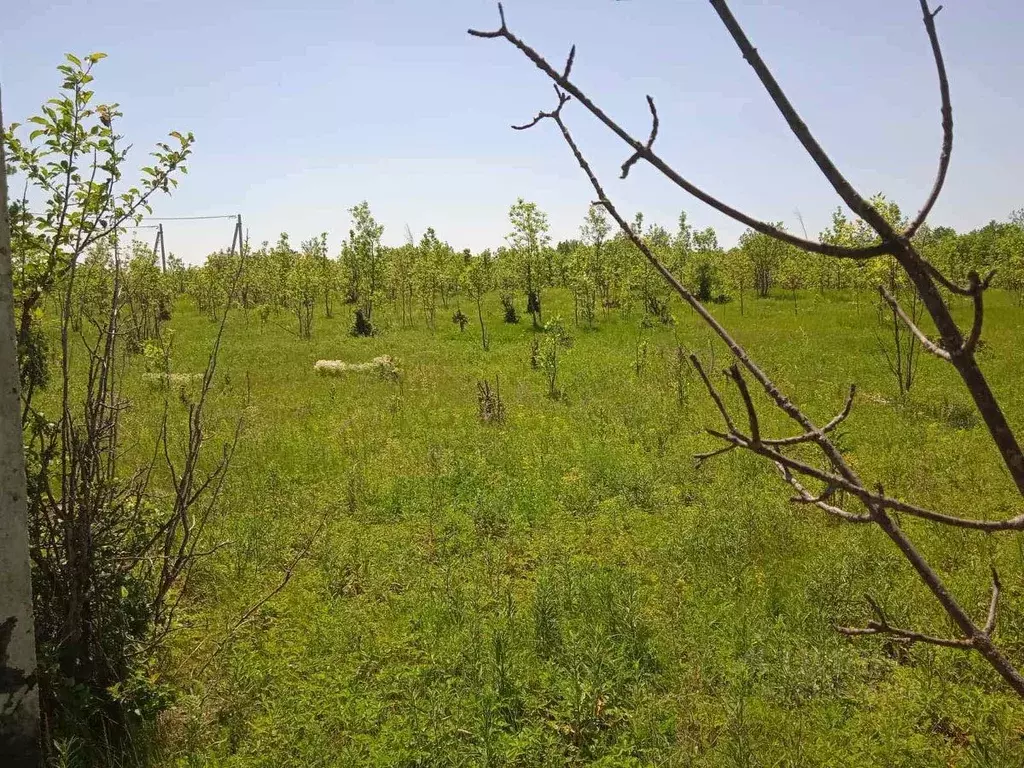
(301, 110)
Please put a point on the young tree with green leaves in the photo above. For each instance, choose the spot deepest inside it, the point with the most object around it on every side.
(766, 255)
(77, 168)
(365, 259)
(554, 341)
(430, 265)
(792, 273)
(478, 282)
(402, 263)
(682, 244)
(702, 269)
(528, 242)
(1013, 255)
(738, 272)
(303, 280)
(101, 588)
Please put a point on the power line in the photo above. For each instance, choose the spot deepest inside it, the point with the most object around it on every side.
(188, 218)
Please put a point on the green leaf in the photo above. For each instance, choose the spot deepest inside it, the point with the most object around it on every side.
(73, 59)
(94, 57)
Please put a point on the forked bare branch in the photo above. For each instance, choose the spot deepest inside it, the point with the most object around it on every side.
(929, 346)
(877, 504)
(562, 99)
(702, 457)
(733, 372)
(977, 288)
(820, 501)
(717, 398)
(809, 437)
(881, 626)
(934, 272)
(632, 160)
(654, 159)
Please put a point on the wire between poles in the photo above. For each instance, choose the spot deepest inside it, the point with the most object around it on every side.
(188, 218)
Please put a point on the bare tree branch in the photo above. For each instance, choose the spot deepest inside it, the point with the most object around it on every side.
(947, 121)
(806, 497)
(877, 505)
(650, 156)
(289, 571)
(978, 288)
(843, 188)
(929, 345)
(562, 99)
(809, 437)
(714, 394)
(568, 63)
(883, 627)
(870, 499)
(755, 427)
(993, 606)
(934, 272)
(702, 457)
(650, 141)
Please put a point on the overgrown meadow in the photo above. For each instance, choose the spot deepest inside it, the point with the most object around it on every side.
(565, 587)
(409, 506)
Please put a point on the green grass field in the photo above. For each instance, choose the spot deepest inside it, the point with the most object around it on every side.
(567, 588)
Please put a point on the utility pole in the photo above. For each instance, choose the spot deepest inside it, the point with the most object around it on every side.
(19, 693)
(163, 255)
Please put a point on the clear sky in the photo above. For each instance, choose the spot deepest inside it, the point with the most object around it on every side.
(302, 109)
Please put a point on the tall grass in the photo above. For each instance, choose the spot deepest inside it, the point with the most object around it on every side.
(565, 587)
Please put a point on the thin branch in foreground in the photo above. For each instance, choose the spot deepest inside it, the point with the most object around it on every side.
(569, 62)
(881, 626)
(993, 606)
(562, 99)
(920, 272)
(717, 398)
(947, 121)
(977, 288)
(289, 571)
(929, 345)
(626, 166)
(702, 457)
(809, 437)
(871, 499)
(755, 428)
(654, 159)
(820, 501)
(848, 479)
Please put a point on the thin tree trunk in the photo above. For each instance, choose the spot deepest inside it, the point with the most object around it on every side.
(19, 696)
(483, 328)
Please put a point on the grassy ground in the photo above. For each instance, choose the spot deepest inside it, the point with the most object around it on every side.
(567, 588)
